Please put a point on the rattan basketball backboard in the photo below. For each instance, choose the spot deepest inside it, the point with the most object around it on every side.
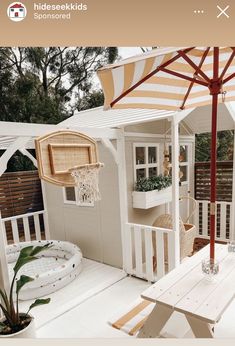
(60, 151)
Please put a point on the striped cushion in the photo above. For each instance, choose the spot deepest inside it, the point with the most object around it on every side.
(132, 318)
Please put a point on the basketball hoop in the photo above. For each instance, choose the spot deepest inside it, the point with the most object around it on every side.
(86, 179)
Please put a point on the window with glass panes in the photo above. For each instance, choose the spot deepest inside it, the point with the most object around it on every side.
(146, 160)
(70, 197)
(183, 161)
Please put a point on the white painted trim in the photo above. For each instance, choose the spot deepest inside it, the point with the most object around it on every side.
(75, 203)
(108, 144)
(123, 203)
(46, 218)
(155, 135)
(97, 133)
(175, 191)
(12, 129)
(16, 217)
(179, 116)
(16, 145)
(145, 165)
(4, 274)
(185, 128)
(185, 163)
(230, 109)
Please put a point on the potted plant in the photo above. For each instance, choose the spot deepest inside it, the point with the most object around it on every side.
(151, 192)
(15, 323)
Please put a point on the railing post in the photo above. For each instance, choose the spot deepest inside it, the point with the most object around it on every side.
(175, 190)
(45, 213)
(4, 274)
(122, 184)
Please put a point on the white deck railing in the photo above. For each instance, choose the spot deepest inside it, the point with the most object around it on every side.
(29, 232)
(223, 218)
(142, 242)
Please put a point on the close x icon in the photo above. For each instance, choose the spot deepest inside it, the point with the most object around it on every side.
(223, 11)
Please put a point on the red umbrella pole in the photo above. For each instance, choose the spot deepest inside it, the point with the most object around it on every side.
(215, 90)
(213, 176)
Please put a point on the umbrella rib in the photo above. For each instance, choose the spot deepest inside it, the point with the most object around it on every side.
(159, 68)
(229, 62)
(195, 74)
(192, 64)
(182, 76)
(229, 78)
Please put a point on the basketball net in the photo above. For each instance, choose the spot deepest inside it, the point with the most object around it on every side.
(87, 182)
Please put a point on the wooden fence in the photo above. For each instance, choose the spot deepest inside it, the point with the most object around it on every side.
(20, 193)
(224, 180)
(224, 198)
(223, 220)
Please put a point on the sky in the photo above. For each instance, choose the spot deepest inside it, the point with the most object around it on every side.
(126, 52)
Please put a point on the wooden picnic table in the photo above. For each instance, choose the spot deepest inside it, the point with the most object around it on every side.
(186, 290)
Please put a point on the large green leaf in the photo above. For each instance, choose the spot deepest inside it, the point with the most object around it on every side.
(4, 297)
(39, 302)
(22, 261)
(25, 252)
(23, 280)
(28, 254)
(37, 249)
(2, 326)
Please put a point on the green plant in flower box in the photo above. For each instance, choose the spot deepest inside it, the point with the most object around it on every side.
(158, 182)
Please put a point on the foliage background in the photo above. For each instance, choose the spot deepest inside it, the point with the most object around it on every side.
(47, 85)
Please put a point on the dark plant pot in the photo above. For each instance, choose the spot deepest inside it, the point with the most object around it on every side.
(28, 332)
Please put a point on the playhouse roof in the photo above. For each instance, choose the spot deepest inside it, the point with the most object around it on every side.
(97, 117)
(102, 124)
(198, 120)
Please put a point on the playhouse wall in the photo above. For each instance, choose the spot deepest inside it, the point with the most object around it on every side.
(148, 216)
(96, 230)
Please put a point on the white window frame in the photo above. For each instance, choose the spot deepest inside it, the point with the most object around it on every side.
(146, 165)
(76, 203)
(186, 163)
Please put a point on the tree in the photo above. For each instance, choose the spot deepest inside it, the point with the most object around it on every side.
(91, 100)
(224, 146)
(45, 85)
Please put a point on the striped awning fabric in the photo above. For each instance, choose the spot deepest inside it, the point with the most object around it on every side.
(154, 80)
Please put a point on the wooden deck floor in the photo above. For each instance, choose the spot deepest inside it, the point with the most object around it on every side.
(76, 315)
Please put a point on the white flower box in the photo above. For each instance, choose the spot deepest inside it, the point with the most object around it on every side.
(150, 199)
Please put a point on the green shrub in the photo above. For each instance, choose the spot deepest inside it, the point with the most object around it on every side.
(158, 182)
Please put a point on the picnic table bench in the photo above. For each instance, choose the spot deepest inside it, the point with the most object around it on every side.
(186, 290)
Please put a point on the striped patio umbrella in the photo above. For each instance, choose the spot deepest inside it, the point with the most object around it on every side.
(175, 79)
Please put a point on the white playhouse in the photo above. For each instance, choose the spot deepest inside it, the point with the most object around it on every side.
(114, 234)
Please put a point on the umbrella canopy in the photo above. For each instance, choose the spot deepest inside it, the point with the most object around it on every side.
(175, 79)
(167, 78)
